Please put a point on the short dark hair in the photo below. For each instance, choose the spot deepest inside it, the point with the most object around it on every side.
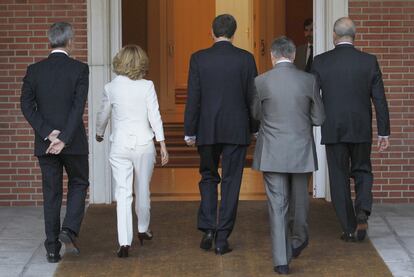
(283, 47)
(224, 25)
(307, 22)
(59, 34)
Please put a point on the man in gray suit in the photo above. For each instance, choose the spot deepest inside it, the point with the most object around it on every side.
(288, 103)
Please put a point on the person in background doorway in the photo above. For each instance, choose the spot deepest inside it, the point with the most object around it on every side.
(304, 53)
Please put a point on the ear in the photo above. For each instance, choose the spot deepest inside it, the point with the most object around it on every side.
(272, 58)
(335, 37)
(212, 34)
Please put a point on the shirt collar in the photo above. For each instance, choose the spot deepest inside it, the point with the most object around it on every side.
(344, 42)
(284, 61)
(59, 51)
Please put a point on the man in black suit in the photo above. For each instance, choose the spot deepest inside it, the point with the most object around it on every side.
(350, 80)
(53, 98)
(304, 53)
(220, 85)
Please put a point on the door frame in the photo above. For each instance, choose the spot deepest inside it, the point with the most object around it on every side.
(104, 41)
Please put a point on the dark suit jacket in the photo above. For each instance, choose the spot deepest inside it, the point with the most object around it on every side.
(349, 80)
(300, 58)
(53, 96)
(220, 87)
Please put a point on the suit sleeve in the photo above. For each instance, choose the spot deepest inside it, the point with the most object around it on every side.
(317, 110)
(78, 106)
(104, 114)
(192, 107)
(154, 115)
(256, 105)
(380, 102)
(314, 71)
(29, 107)
(251, 94)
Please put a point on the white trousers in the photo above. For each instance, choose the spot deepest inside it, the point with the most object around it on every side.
(132, 165)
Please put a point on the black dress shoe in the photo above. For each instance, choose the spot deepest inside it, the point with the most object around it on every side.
(68, 238)
(207, 240)
(348, 237)
(123, 251)
(53, 257)
(296, 251)
(362, 225)
(223, 250)
(145, 236)
(282, 269)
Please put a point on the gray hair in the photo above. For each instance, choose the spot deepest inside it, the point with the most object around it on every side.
(283, 47)
(59, 34)
(345, 27)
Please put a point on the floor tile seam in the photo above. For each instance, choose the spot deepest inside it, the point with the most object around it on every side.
(26, 266)
(398, 238)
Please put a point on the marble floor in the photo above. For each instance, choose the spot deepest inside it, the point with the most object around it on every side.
(22, 252)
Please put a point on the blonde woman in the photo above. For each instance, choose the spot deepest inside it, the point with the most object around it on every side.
(131, 103)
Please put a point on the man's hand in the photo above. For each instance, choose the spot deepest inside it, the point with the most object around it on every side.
(190, 141)
(53, 135)
(55, 147)
(164, 153)
(99, 138)
(383, 144)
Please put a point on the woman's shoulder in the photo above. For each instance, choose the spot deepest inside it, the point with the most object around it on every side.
(146, 82)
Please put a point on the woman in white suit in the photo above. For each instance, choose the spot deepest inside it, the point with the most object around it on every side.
(131, 103)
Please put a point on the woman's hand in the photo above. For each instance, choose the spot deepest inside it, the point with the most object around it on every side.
(164, 153)
(98, 138)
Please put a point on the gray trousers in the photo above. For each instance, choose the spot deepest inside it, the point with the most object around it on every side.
(288, 204)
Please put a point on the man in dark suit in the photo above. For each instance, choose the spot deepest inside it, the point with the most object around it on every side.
(304, 52)
(53, 98)
(350, 80)
(220, 85)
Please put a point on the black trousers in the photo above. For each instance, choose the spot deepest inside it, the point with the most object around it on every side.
(77, 169)
(232, 160)
(345, 161)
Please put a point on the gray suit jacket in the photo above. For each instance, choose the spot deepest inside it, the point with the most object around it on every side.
(300, 59)
(287, 102)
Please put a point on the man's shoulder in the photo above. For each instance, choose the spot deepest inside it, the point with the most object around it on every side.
(305, 76)
(77, 63)
(298, 74)
(324, 55)
(201, 52)
(38, 64)
(67, 60)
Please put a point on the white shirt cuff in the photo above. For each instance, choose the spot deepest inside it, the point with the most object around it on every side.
(189, 138)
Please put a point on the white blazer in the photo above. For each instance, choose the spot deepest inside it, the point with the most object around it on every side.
(133, 108)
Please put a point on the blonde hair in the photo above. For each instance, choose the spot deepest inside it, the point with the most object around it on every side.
(131, 61)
